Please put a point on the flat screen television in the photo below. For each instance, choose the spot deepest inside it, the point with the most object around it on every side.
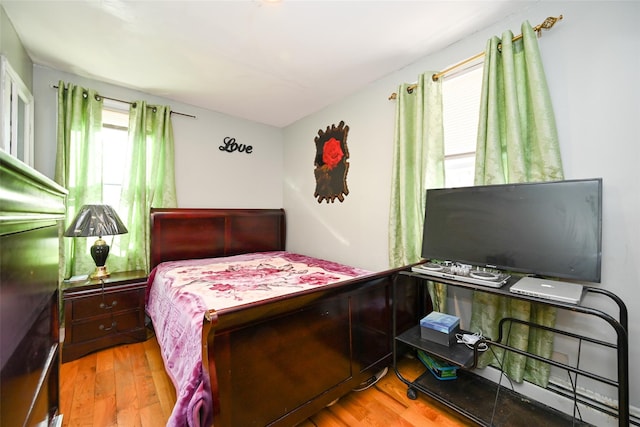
(551, 229)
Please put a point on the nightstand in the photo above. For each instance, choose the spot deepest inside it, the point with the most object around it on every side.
(103, 313)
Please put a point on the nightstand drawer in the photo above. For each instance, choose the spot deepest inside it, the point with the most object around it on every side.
(96, 305)
(107, 325)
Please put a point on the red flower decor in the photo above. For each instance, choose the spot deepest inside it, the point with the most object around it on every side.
(331, 163)
(332, 153)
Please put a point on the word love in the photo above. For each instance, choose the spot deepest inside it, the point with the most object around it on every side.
(230, 146)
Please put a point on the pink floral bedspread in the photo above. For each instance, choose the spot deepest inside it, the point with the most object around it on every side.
(180, 292)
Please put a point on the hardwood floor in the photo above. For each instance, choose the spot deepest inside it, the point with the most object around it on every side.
(127, 386)
(121, 386)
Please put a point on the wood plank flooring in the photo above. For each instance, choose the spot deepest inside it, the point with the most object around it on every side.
(127, 386)
(121, 386)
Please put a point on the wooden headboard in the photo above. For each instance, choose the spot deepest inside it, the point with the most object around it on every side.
(183, 233)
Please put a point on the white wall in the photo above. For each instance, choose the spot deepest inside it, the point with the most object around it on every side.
(205, 175)
(353, 231)
(592, 59)
(11, 47)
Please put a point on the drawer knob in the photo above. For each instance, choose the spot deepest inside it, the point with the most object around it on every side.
(108, 307)
(104, 328)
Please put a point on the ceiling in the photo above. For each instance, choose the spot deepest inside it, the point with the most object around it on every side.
(271, 62)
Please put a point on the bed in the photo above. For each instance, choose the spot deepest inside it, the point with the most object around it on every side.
(257, 362)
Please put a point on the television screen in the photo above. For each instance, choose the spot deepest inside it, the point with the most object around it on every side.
(552, 229)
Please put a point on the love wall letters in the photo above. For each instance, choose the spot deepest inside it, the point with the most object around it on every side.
(230, 145)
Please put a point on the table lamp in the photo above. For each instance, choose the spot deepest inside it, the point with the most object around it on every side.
(97, 220)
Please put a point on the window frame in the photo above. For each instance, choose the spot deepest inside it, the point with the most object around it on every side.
(16, 114)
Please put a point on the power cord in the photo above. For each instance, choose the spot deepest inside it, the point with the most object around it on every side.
(471, 339)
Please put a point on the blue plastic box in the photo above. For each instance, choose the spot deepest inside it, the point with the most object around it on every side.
(440, 322)
(440, 328)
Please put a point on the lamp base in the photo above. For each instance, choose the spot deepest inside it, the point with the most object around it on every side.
(99, 253)
(100, 273)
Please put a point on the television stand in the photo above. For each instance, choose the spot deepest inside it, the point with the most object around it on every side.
(462, 394)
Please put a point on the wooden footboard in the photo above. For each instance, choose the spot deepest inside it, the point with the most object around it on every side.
(280, 361)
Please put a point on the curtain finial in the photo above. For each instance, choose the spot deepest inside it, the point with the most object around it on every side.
(547, 24)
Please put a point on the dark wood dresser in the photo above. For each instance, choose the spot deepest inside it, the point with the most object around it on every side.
(31, 215)
(103, 313)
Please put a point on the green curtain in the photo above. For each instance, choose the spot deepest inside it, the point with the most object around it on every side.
(517, 142)
(418, 164)
(149, 181)
(78, 165)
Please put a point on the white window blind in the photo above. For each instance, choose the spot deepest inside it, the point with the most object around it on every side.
(115, 124)
(461, 104)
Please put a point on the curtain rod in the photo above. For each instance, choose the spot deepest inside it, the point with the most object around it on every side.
(547, 24)
(131, 103)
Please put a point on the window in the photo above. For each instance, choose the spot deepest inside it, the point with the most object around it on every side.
(115, 128)
(461, 107)
(16, 114)
(113, 137)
